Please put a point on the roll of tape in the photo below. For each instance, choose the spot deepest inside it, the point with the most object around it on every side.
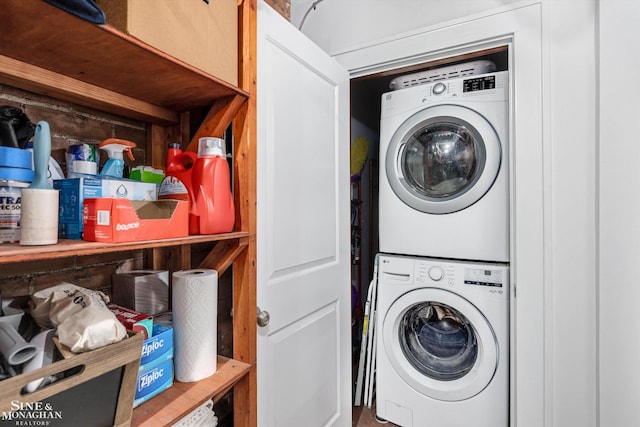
(15, 158)
(84, 166)
(16, 174)
(39, 216)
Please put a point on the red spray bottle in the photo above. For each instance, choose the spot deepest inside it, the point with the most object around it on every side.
(212, 209)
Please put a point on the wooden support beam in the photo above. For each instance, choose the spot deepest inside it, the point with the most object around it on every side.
(218, 119)
(245, 396)
(224, 254)
(171, 258)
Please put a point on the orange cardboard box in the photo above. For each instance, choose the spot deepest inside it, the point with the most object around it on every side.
(121, 220)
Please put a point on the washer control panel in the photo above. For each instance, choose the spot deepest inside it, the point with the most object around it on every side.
(476, 277)
(449, 273)
(483, 277)
(429, 272)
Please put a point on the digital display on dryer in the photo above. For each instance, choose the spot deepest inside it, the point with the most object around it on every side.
(480, 83)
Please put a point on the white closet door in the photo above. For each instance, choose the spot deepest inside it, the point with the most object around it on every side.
(303, 271)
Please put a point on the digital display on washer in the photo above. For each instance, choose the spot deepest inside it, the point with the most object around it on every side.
(480, 83)
(482, 277)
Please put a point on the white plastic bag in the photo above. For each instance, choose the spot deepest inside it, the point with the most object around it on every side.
(83, 320)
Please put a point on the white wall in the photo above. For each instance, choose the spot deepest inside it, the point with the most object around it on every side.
(619, 233)
(341, 25)
(567, 296)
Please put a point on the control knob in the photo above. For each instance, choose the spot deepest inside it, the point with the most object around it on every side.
(439, 88)
(436, 273)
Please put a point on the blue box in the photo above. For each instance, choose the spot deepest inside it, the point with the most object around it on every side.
(153, 380)
(158, 347)
(156, 365)
(73, 191)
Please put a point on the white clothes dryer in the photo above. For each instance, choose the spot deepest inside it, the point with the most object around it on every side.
(444, 178)
(442, 331)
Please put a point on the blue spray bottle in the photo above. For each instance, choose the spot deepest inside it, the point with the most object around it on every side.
(114, 148)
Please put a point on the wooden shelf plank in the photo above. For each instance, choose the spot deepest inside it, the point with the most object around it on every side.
(182, 398)
(13, 252)
(69, 46)
(56, 85)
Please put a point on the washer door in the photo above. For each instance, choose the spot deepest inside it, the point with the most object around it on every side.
(443, 159)
(440, 344)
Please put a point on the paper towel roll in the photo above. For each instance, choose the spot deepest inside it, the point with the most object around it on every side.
(39, 216)
(195, 312)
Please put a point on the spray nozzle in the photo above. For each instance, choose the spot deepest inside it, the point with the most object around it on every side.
(115, 147)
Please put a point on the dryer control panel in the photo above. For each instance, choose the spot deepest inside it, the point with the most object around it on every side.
(479, 83)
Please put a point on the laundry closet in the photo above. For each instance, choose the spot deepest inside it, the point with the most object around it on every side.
(443, 209)
(552, 256)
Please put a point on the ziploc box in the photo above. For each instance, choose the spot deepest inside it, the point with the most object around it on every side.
(153, 380)
(156, 365)
(74, 190)
(159, 346)
(112, 220)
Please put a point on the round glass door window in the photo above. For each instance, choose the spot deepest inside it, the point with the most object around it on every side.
(438, 341)
(440, 344)
(443, 159)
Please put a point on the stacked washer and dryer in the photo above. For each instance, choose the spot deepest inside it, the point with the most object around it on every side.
(442, 318)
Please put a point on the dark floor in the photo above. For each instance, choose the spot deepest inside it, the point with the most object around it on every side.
(365, 417)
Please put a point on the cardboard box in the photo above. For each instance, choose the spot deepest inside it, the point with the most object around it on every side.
(201, 34)
(133, 321)
(146, 291)
(73, 191)
(121, 220)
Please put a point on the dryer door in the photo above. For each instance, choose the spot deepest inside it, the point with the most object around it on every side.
(440, 344)
(443, 159)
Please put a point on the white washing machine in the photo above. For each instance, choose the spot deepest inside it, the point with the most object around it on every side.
(444, 178)
(442, 331)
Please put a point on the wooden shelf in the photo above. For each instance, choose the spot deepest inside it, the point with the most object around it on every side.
(182, 398)
(68, 58)
(48, 51)
(13, 252)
